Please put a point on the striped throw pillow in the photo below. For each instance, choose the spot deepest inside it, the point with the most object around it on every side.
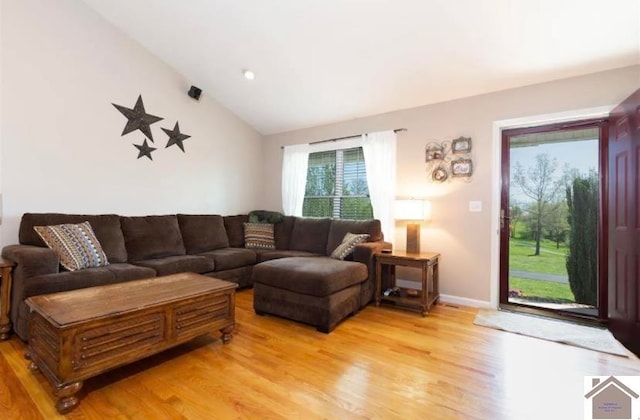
(76, 245)
(349, 242)
(259, 236)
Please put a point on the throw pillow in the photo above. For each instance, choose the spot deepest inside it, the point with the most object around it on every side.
(259, 236)
(76, 245)
(349, 242)
(265, 216)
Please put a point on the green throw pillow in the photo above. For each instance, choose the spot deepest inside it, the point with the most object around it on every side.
(265, 216)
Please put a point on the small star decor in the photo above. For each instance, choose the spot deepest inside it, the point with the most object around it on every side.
(139, 119)
(175, 137)
(144, 149)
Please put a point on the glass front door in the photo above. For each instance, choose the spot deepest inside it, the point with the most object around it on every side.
(550, 219)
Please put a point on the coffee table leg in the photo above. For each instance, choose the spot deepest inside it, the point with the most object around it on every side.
(32, 365)
(226, 334)
(66, 394)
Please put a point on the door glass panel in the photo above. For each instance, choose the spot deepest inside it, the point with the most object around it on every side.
(553, 226)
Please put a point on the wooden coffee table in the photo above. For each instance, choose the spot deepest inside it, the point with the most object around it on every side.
(82, 333)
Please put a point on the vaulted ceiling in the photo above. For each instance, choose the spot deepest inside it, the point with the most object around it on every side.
(323, 61)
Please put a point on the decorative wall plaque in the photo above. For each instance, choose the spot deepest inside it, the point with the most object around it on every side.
(449, 159)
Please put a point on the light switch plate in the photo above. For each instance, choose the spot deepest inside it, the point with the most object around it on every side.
(475, 206)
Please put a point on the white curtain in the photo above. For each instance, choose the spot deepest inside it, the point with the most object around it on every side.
(294, 178)
(380, 160)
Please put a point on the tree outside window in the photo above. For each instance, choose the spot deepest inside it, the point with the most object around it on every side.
(337, 185)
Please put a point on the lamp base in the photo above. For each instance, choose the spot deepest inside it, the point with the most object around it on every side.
(413, 238)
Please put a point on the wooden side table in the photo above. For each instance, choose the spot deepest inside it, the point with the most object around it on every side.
(425, 298)
(6, 267)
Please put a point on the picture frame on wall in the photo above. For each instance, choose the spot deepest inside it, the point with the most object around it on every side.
(440, 174)
(434, 152)
(461, 168)
(461, 145)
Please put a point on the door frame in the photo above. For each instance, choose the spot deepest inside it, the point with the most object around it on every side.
(603, 161)
(496, 172)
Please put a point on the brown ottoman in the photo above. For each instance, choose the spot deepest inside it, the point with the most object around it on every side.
(320, 291)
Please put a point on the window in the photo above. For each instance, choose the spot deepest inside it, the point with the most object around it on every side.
(337, 185)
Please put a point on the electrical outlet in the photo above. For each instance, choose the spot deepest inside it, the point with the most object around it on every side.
(475, 206)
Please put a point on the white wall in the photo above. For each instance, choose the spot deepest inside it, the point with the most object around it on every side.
(1, 121)
(464, 239)
(62, 67)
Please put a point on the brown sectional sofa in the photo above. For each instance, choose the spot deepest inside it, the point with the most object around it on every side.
(148, 246)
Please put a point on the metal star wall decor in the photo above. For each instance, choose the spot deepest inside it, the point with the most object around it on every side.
(175, 137)
(145, 149)
(138, 119)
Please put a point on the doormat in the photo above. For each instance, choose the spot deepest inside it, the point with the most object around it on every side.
(592, 338)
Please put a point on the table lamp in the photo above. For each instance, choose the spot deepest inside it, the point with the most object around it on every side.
(414, 211)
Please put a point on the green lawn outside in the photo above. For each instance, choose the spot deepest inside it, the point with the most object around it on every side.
(550, 260)
(542, 289)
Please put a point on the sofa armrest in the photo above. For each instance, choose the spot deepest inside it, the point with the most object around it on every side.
(31, 260)
(364, 253)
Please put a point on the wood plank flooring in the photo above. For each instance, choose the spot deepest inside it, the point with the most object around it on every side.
(384, 363)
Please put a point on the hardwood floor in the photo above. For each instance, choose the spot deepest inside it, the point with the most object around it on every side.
(382, 363)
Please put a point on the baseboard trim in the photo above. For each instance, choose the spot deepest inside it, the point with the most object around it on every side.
(456, 300)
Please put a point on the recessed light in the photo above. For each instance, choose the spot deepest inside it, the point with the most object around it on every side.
(248, 74)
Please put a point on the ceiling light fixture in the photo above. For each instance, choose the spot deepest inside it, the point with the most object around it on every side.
(248, 74)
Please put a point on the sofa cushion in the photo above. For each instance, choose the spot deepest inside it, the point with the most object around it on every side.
(179, 264)
(105, 226)
(341, 227)
(235, 229)
(348, 244)
(66, 280)
(268, 254)
(148, 237)
(202, 233)
(282, 232)
(228, 258)
(259, 236)
(76, 245)
(310, 234)
(323, 312)
(127, 272)
(315, 276)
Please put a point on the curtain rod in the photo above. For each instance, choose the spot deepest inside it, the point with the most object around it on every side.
(347, 137)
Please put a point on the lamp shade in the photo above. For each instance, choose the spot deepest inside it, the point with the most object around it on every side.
(412, 210)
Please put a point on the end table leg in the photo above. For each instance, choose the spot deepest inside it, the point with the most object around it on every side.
(226, 334)
(66, 394)
(378, 285)
(5, 330)
(5, 292)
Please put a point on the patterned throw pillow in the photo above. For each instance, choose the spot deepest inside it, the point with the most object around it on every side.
(76, 245)
(259, 236)
(349, 242)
